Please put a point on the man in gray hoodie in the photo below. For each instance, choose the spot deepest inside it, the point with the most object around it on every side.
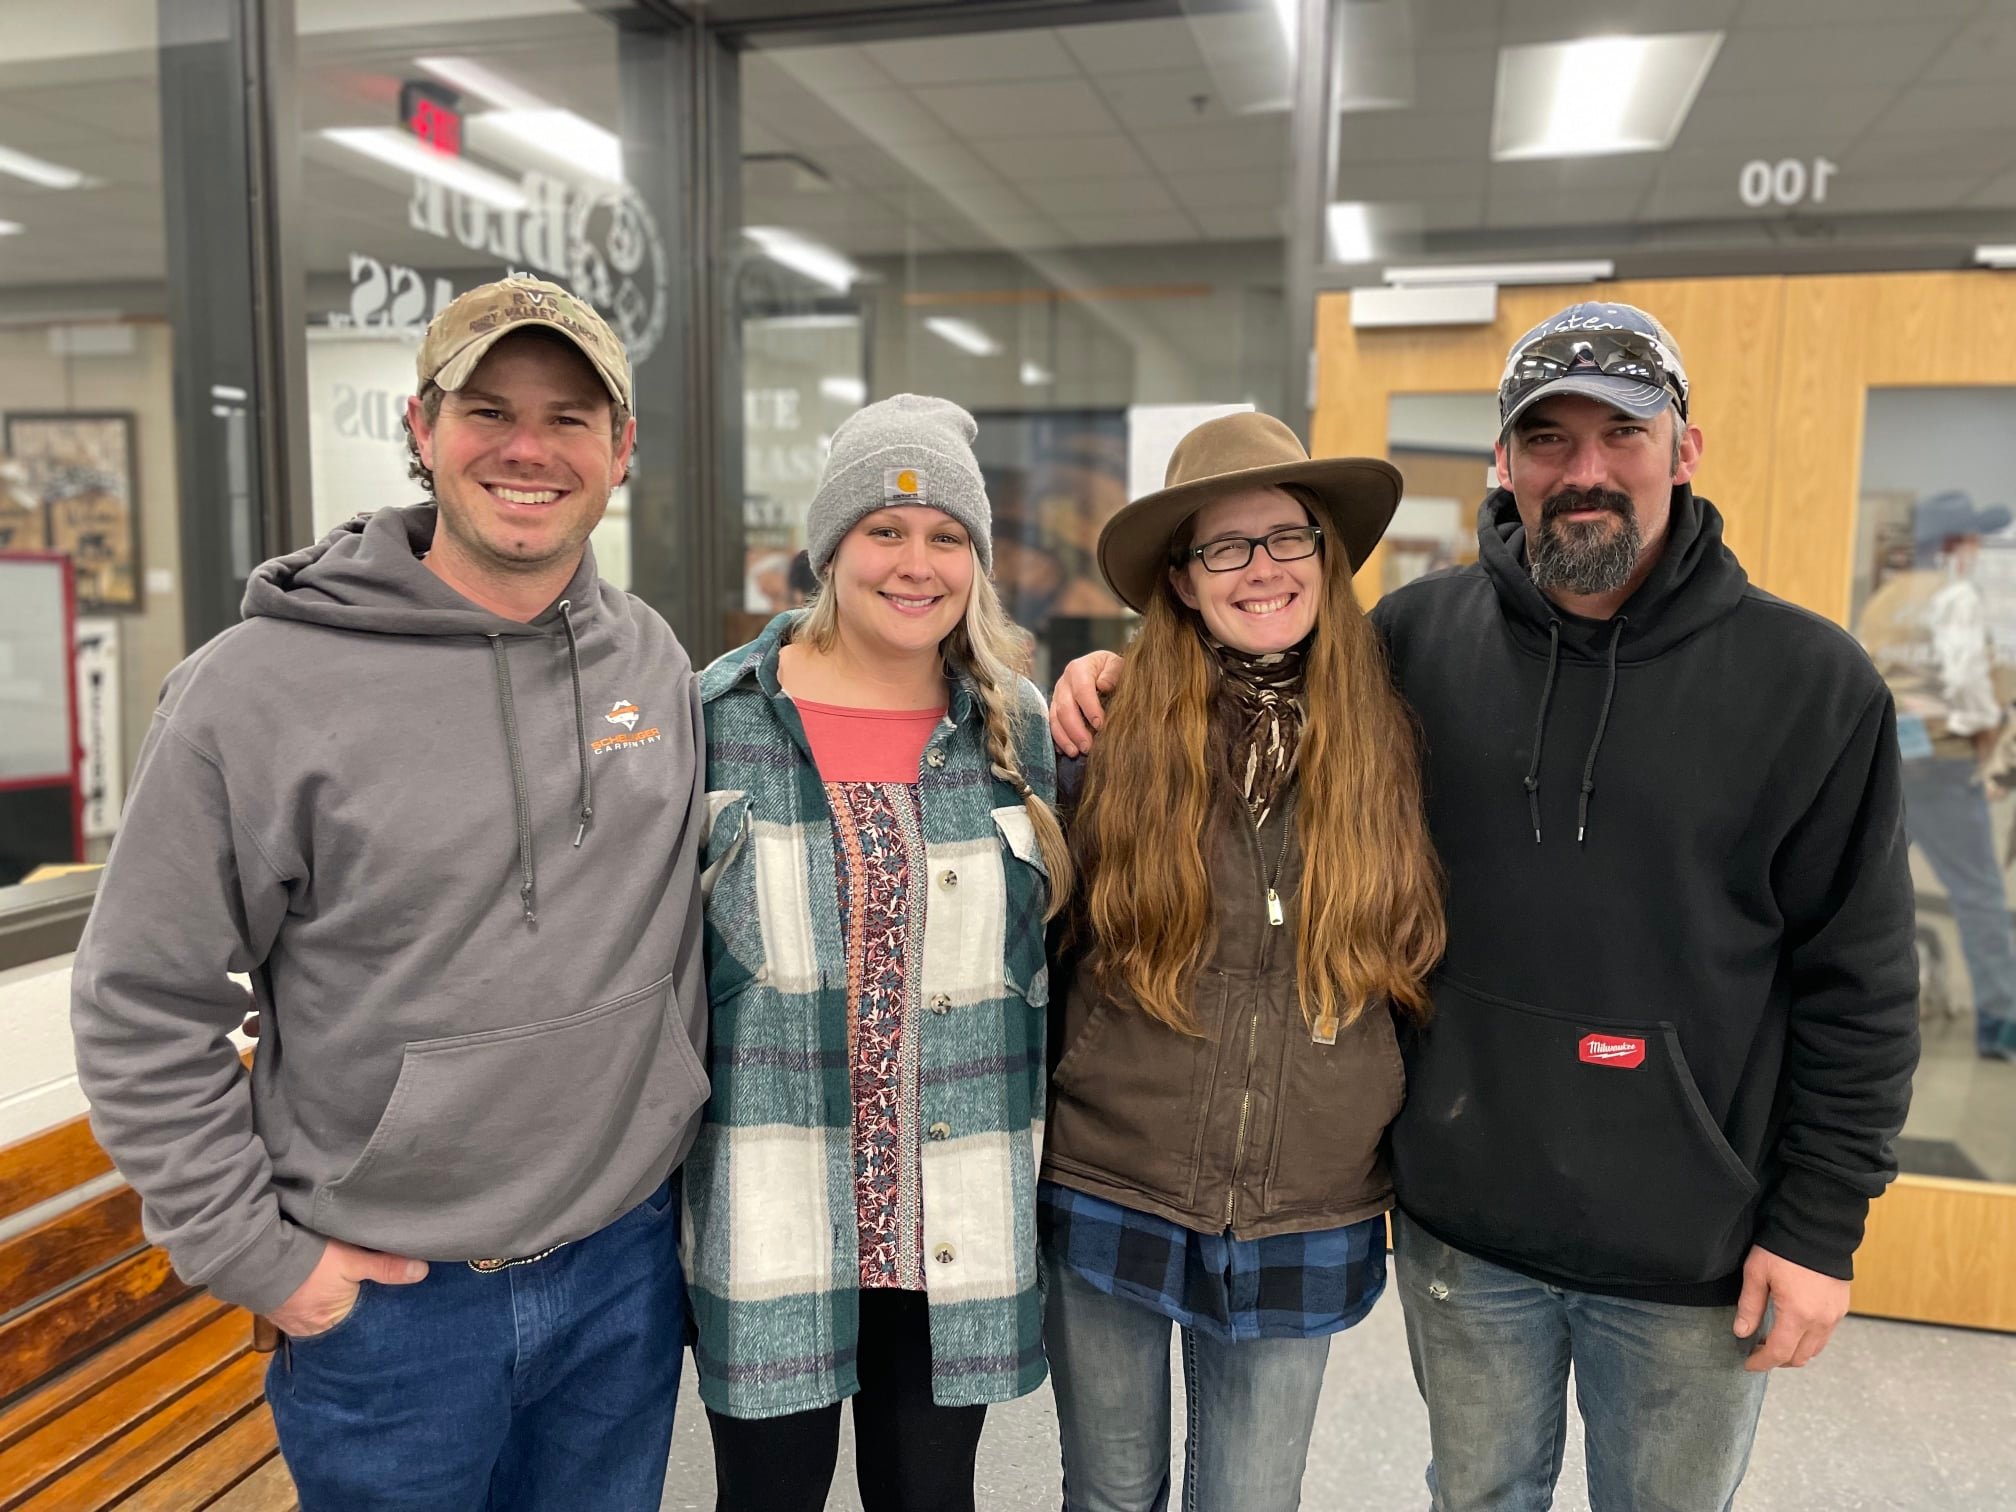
(437, 797)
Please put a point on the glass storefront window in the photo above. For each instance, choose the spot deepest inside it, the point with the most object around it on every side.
(1064, 229)
(1935, 606)
(459, 145)
(88, 443)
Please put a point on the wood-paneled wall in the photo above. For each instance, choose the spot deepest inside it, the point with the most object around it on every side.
(1780, 371)
(1779, 368)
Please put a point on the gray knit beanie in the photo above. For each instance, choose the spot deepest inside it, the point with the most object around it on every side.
(910, 449)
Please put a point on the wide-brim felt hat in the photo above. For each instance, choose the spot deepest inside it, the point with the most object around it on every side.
(1356, 497)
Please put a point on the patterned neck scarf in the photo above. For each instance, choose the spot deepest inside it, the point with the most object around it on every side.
(1261, 699)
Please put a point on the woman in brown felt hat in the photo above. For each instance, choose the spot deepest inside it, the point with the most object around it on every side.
(1259, 905)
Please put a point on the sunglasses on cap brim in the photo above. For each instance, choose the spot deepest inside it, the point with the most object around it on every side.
(1615, 354)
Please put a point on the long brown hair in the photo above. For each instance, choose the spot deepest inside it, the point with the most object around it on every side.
(1369, 922)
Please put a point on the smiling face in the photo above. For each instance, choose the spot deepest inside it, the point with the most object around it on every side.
(900, 580)
(523, 455)
(1265, 605)
(1594, 487)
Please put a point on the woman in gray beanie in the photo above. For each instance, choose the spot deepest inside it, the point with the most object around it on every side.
(881, 859)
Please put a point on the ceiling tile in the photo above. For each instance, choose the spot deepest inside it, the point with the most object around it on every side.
(1109, 49)
(1064, 157)
(975, 57)
(1230, 191)
(1952, 107)
(1244, 225)
(1778, 60)
(1128, 230)
(1033, 108)
(1257, 143)
(827, 70)
(1525, 21)
(1982, 50)
(1092, 196)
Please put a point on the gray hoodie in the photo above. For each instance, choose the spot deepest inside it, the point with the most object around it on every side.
(456, 855)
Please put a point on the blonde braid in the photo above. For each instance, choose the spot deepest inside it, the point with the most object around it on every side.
(981, 645)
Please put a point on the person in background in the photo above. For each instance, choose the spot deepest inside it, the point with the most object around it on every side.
(881, 860)
(1927, 631)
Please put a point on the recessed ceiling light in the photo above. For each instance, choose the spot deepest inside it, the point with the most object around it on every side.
(963, 334)
(41, 171)
(11, 228)
(1035, 375)
(562, 134)
(801, 254)
(844, 388)
(404, 151)
(1598, 95)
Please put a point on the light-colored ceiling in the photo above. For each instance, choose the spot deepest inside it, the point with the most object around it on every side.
(1103, 134)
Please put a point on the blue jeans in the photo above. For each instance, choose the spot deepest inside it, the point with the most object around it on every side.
(1946, 817)
(1252, 1406)
(1668, 1411)
(545, 1386)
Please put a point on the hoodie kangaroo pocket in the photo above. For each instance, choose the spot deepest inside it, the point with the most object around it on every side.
(1577, 1145)
(502, 1143)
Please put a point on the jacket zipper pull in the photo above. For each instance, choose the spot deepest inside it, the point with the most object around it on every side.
(1273, 906)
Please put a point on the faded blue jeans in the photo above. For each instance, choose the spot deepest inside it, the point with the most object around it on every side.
(1946, 816)
(1252, 1407)
(1668, 1411)
(545, 1387)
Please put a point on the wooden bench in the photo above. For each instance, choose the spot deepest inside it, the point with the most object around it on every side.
(120, 1386)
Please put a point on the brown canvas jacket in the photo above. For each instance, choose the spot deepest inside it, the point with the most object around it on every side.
(1251, 1125)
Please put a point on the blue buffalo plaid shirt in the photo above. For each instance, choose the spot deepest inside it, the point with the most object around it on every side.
(1286, 1286)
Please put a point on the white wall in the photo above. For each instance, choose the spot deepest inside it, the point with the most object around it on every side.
(38, 1069)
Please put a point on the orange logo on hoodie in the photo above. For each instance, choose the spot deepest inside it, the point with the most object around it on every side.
(625, 713)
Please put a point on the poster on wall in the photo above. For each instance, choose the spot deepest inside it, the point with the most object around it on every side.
(1054, 477)
(100, 770)
(78, 467)
(20, 510)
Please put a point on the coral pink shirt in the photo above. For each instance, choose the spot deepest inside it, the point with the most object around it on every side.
(867, 745)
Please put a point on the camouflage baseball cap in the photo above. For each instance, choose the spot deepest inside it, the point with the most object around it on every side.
(475, 322)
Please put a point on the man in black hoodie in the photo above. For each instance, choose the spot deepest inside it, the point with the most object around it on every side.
(1676, 1023)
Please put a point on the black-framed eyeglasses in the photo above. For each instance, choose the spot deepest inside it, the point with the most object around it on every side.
(1291, 544)
(1617, 354)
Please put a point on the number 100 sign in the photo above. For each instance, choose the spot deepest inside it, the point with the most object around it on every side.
(1789, 181)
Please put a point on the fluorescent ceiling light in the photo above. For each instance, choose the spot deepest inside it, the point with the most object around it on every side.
(471, 77)
(1996, 257)
(801, 254)
(11, 228)
(1035, 375)
(408, 153)
(846, 390)
(1598, 95)
(803, 322)
(564, 135)
(1289, 12)
(963, 334)
(1350, 231)
(1504, 273)
(40, 171)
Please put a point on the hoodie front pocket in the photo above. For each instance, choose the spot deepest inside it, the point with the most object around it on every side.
(1578, 1145)
(500, 1143)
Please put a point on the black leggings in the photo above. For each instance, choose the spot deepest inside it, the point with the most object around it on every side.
(910, 1455)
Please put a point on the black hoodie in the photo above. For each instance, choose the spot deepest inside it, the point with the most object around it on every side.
(1677, 1016)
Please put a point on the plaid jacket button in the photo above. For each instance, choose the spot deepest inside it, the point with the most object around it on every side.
(943, 1254)
(936, 759)
(940, 1131)
(949, 879)
(940, 1003)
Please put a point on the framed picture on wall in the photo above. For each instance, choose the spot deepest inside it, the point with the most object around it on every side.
(79, 467)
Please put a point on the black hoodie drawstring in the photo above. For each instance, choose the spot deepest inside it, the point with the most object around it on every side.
(517, 773)
(580, 721)
(1602, 721)
(1540, 725)
(1540, 728)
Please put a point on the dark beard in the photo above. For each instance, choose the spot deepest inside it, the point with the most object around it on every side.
(1585, 558)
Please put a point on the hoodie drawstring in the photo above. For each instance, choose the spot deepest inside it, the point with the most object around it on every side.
(1602, 722)
(1595, 745)
(1540, 725)
(580, 721)
(510, 713)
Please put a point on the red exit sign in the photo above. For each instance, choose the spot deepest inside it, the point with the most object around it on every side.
(429, 113)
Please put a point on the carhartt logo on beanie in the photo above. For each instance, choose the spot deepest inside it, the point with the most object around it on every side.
(908, 450)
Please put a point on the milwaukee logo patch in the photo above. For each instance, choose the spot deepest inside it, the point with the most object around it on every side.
(1612, 1050)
